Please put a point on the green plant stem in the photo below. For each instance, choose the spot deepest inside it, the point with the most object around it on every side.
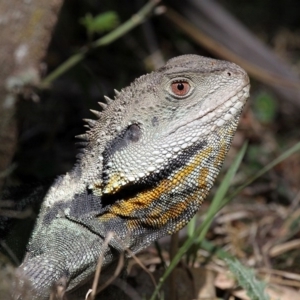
(63, 68)
(182, 250)
(134, 21)
(267, 168)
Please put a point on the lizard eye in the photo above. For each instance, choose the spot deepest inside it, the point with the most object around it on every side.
(180, 88)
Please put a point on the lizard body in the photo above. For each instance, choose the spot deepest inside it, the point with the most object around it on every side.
(147, 164)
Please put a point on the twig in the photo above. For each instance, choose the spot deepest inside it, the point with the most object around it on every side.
(285, 274)
(160, 255)
(134, 21)
(10, 253)
(114, 276)
(295, 204)
(99, 266)
(222, 51)
(5, 173)
(265, 169)
(142, 266)
(16, 214)
(129, 291)
(283, 248)
(137, 260)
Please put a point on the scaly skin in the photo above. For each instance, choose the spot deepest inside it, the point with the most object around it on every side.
(148, 163)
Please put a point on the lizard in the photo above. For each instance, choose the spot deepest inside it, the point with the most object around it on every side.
(147, 163)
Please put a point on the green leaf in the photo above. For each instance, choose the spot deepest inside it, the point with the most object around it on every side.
(246, 278)
(100, 23)
(191, 226)
(265, 108)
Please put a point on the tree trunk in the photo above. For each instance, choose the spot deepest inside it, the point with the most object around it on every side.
(25, 32)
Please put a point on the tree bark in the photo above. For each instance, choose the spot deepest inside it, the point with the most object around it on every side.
(25, 32)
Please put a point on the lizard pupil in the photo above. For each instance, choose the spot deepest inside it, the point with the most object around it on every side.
(180, 88)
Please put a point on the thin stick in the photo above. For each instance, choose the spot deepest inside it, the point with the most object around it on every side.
(10, 253)
(114, 276)
(129, 291)
(99, 266)
(138, 261)
(159, 252)
(201, 38)
(265, 169)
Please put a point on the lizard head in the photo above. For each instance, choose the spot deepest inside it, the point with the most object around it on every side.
(164, 115)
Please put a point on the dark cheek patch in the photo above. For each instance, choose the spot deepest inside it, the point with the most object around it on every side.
(132, 134)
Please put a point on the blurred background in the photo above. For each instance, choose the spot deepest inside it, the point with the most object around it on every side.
(261, 226)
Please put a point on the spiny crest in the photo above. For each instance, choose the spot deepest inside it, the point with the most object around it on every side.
(108, 100)
(103, 106)
(83, 137)
(96, 112)
(81, 145)
(91, 123)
